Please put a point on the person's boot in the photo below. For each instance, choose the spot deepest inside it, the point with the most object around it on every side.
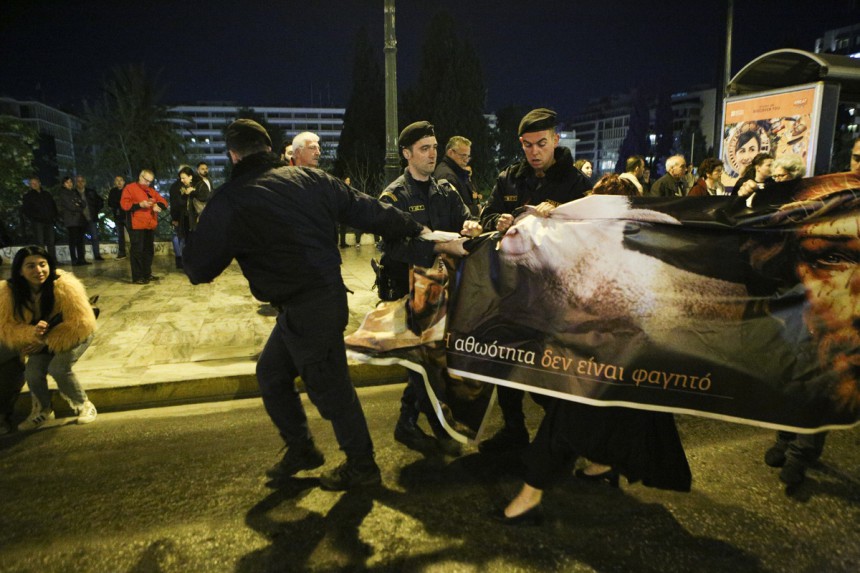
(410, 435)
(793, 472)
(775, 455)
(298, 457)
(351, 474)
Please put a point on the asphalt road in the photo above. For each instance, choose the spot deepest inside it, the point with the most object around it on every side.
(182, 489)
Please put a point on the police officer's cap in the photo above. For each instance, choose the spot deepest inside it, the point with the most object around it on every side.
(245, 133)
(414, 132)
(537, 120)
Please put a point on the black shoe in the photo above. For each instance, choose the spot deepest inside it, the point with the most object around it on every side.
(533, 516)
(153, 278)
(793, 473)
(505, 440)
(610, 476)
(350, 475)
(98, 258)
(141, 281)
(410, 435)
(296, 459)
(775, 456)
(343, 245)
(84, 263)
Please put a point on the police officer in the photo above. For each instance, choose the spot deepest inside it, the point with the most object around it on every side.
(279, 223)
(545, 179)
(439, 207)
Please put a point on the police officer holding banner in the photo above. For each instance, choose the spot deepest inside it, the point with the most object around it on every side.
(436, 205)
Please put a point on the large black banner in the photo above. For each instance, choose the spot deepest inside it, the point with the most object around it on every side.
(746, 310)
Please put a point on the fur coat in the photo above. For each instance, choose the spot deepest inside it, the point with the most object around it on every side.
(70, 298)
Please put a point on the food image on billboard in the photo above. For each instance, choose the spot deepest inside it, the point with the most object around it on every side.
(777, 123)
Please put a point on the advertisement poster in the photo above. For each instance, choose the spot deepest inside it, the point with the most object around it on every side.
(779, 123)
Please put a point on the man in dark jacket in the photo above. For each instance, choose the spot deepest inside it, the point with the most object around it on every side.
(94, 207)
(39, 207)
(546, 178)
(436, 205)
(120, 217)
(454, 168)
(73, 207)
(672, 184)
(279, 223)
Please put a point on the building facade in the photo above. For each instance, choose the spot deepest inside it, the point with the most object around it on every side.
(602, 127)
(202, 127)
(58, 133)
(844, 41)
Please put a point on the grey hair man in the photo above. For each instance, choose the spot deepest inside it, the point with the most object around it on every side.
(454, 168)
(673, 183)
(306, 149)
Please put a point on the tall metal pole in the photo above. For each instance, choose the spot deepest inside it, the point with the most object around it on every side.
(392, 157)
(718, 111)
(728, 71)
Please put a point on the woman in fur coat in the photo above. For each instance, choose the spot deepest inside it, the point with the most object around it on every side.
(45, 314)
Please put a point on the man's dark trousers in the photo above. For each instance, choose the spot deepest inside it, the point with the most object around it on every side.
(142, 252)
(44, 233)
(308, 340)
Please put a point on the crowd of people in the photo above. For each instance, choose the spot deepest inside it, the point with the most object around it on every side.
(283, 212)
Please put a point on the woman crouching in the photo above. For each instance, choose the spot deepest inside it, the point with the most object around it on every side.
(45, 314)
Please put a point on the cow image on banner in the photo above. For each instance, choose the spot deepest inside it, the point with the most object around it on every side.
(704, 306)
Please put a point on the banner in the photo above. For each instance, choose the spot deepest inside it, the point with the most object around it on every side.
(702, 306)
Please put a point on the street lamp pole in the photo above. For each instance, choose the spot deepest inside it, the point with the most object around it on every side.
(392, 158)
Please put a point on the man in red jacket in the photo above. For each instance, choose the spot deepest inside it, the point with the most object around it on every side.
(144, 204)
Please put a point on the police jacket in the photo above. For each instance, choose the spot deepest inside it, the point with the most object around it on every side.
(441, 209)
(279, 223)
(518, 185)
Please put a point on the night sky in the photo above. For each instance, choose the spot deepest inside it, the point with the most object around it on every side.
(559, 54)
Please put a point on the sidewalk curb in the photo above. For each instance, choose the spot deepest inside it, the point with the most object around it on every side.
(175, 393)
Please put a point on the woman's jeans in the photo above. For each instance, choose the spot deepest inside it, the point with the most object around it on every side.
(59, 366)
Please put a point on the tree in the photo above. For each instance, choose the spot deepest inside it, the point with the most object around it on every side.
(693, 145)
(450, 94)
(18, 142)
(361, 150)
(507, 141)
(127, 129)
(664, 128)
(636, 141)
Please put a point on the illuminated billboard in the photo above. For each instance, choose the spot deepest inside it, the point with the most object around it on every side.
(778, 122)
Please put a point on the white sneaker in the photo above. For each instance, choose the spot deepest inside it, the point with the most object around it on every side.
(36, 420)
(87, 413)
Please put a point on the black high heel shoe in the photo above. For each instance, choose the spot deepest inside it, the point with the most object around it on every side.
(533, 516)
(610, 476)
